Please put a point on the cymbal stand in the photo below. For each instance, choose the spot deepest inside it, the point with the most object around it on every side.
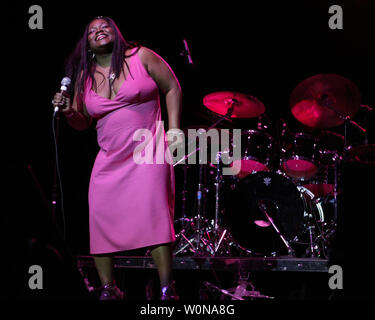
(200, 214)
(329, 228)
(347, 119)
(184, 191)
(222, 239)
(336, 159)
(221, 119)
(217, 203)
(198, 244)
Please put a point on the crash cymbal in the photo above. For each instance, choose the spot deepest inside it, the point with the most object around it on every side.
(324, 100)
(244, 105)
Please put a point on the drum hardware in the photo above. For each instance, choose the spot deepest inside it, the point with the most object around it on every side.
(266, 213)
(314, 225)
(240, 292)
(325, 101)
(299, 156)
(183, 196)
(312, 244)
(262, 206)
(335, 191)
(198, 218)
(198, 222)
(218, 240)
(221, 236)
(246, 106)
(198, 242)
(228, 104)
(363, 153)
(256, 151)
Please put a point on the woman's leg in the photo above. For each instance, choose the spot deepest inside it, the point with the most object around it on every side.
(104, 267)
(162, 256)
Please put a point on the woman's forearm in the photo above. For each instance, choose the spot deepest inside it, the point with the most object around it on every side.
(77, 120)
(174, 107)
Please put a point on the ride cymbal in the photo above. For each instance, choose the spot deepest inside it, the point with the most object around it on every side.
(325, 100)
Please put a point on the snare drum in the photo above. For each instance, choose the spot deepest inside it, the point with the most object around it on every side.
(299, 156)
(256, 152)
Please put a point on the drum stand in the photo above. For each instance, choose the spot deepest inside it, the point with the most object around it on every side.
(222, 238)
(197, 242)
(201, 242)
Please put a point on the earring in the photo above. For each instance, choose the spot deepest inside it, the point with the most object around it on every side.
(92, 54)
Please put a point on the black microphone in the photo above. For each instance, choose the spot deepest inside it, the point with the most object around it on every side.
(65, 82)
(187, 52)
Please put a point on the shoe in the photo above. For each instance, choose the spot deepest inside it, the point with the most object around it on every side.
(111, 292)
(169, 292)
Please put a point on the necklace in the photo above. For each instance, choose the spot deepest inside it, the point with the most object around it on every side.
(112, 76)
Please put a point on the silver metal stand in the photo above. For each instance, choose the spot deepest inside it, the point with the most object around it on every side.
(200, 243)
(263, 208)
(240, 292)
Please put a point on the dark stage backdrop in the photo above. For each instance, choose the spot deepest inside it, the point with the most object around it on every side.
(260, 48)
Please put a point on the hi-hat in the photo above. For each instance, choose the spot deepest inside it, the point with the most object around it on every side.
(325, 100)
(244, 105)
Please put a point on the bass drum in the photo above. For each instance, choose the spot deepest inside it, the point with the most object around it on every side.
(289, 207)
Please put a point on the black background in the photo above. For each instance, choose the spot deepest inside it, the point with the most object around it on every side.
(263, 49)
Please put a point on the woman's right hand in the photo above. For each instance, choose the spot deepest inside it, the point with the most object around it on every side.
(62, 101)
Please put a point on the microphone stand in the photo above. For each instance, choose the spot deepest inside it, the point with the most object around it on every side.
(56, 119)
(55, 188)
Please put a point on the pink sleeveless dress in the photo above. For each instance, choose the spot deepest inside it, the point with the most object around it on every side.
(131, 203)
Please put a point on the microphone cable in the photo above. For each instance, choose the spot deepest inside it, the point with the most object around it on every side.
(58, 173)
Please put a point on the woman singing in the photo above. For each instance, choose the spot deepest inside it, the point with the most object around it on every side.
(131, 205)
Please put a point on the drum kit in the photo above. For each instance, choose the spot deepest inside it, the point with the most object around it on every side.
(284, 198)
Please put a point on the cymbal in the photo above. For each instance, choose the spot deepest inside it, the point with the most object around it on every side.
(244, 105)
(324, 100)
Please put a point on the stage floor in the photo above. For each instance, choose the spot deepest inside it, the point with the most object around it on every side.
(230, 264)
(207, 277)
